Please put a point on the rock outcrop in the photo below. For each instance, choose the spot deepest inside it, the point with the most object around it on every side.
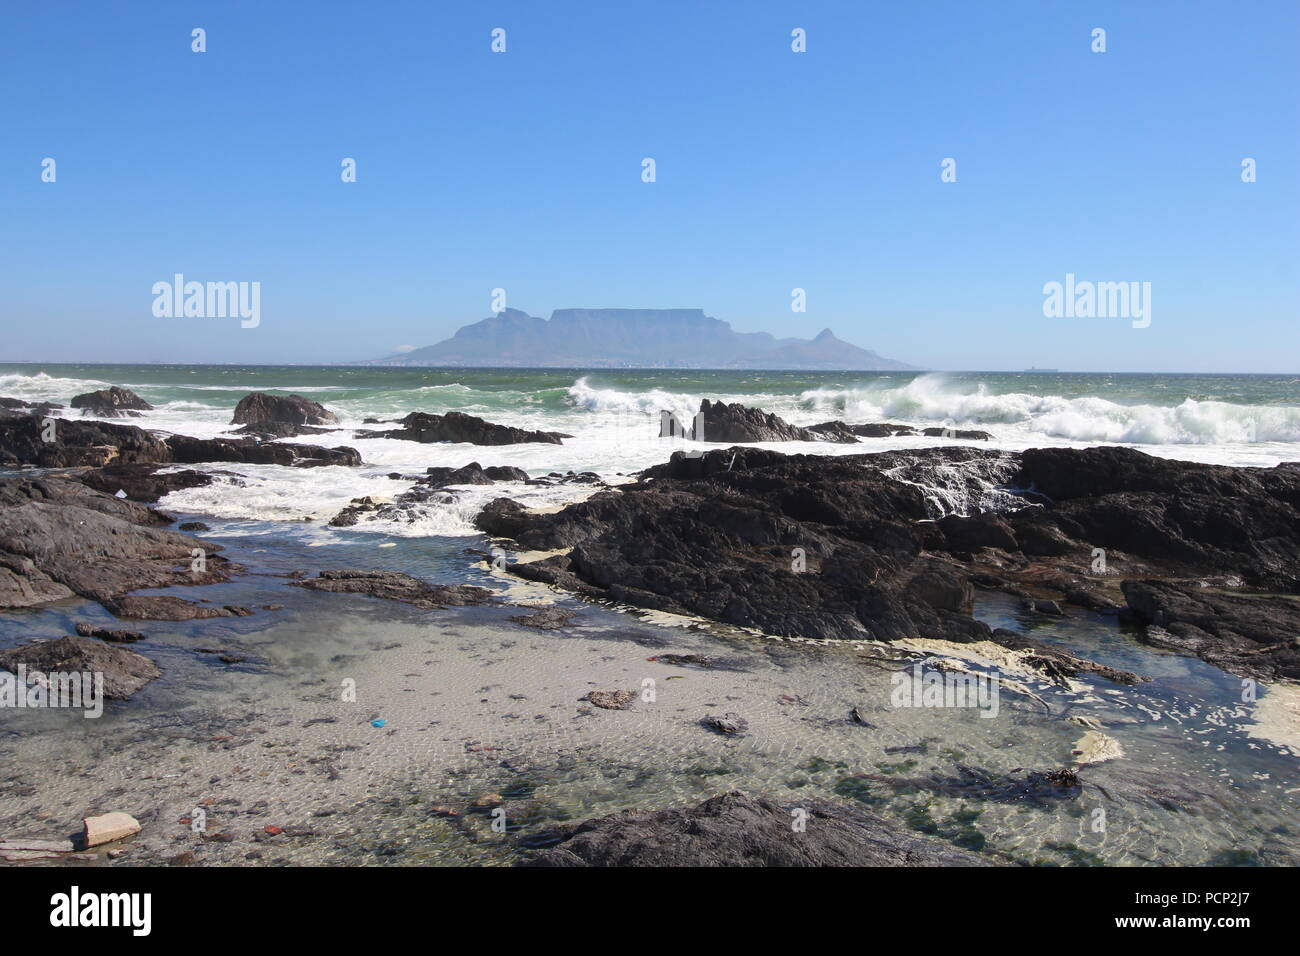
(258, 408)
(141, 482)
(59, 538)
(738, 830)
(1251, 635)
(190, 451)
(114, 402)
(27, 439)
(30, 439)
(459, 427)
(125, 671)
(396, 586)
(848, 547)
(738, 423)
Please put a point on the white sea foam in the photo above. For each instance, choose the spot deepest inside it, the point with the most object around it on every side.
(615, 431)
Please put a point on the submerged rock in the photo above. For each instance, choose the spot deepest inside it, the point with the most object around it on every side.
(729, 725)
(611, 699)
(548, 618)
(396, 586)
(163, 607)
(125, 672)
(738, 830)
(108, 634)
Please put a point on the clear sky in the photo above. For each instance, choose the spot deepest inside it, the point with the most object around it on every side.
(775, 170)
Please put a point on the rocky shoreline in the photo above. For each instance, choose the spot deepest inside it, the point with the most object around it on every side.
(888, 547)
(850, 547)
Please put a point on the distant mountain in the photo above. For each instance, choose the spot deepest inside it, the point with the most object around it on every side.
(633, 338)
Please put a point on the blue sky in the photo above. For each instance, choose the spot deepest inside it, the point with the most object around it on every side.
(775, 170)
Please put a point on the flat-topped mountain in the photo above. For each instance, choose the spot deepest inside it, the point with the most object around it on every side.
(634, 338)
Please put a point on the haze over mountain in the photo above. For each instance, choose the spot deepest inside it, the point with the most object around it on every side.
(634, 338)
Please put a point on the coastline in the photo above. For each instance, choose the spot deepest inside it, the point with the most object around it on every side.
(481, 712)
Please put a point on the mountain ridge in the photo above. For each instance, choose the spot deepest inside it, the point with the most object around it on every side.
(633, 338)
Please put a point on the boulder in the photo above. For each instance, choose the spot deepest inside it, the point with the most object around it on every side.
(738, 830)
(125, 671)
(111, 403)
(258, 408)
(737, 423)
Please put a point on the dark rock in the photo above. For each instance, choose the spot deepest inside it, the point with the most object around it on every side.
(737, 830)
(125, 672)
(459, 427)
(611, 699)
(59, 538)
(549, 618)
(730, 725)
(1248, 635)
(978, 531)
(160, 607)
(193, 526)
(965, 434)
(396, 586)
(258, 408)
(736, 423)
(18, 403)
(142, 482)
(881, 430)
(271, 430)
(105, 634)
(195, 450)
(835, 431)
(76, 443)
(1189, 519)
(505, 473)
(714, 535)
(471, 474)
(111, 402)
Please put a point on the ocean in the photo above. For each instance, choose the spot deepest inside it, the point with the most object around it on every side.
(613, 418)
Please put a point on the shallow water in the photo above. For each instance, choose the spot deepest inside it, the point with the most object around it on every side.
(475, 704)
